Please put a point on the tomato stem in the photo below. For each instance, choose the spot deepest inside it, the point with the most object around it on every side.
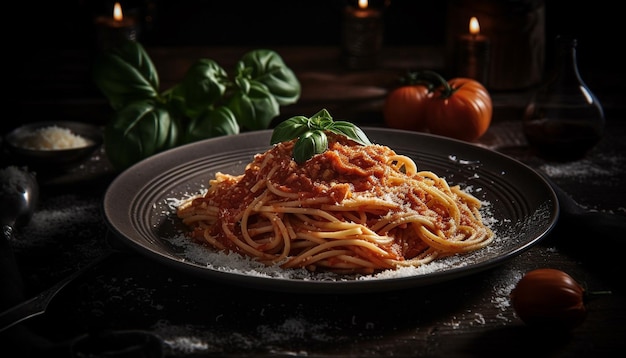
(433, 80)
(413, 79)
(589, 295)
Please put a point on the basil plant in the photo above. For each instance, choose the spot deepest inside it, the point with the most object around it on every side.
(206, 103)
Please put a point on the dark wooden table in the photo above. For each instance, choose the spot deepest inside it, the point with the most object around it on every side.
(193, 317)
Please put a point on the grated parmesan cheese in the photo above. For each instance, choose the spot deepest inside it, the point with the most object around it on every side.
(52, 138)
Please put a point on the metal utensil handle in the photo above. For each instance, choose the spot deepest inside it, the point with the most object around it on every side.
(38, 304)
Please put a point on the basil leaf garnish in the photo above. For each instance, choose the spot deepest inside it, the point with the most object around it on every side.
(310, 133)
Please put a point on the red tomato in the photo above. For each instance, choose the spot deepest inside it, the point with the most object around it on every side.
(404, 108)
(462, 109)
(549, 298)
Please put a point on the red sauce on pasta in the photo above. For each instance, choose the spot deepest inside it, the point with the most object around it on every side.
(276, 199)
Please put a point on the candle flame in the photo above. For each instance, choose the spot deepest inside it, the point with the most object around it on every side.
(362, 4)
(474, 26)
(117, 12)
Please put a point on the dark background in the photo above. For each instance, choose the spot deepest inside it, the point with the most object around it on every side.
(69, 24)
(40, 29)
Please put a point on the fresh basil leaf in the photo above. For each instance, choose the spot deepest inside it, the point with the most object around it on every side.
(351, 131)
(310, 131)
(254, 109)
(203, 85)
(243, 83)
(150, 121)
(321, 120)
(174, 100)
(126, 74)
(214, 123)
(138, 131)
(267, 67)
(290, 129)
(309, 144)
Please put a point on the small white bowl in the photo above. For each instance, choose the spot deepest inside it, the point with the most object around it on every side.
(52, 159)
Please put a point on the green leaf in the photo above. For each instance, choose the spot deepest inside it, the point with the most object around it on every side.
(321, 120)
(138, 131)
(174, 100)
(204, 84)
(267, 67)
(218, 122)
(290, 129)
(206, 103)
(309, 144)
(126, 74)
(310, 133)
(351, 131)
(255, 108)
(243, 84)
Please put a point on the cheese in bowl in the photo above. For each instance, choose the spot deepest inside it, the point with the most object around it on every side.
(53, 145)
(52, 138)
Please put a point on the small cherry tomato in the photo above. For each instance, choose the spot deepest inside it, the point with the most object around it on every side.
(404, 107)
(549, 298)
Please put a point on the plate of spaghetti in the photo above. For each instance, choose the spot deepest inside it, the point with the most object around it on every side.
(407, 209)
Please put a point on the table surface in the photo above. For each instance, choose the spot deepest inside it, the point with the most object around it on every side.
(193, 316)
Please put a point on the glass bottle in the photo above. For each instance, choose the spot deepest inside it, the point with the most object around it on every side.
(564, 119)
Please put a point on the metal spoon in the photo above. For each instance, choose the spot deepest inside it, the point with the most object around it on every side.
(19, 193)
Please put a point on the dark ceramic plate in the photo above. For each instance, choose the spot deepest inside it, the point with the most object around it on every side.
(520, 206)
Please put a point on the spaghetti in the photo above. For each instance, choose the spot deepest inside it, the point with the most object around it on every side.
(351, 209)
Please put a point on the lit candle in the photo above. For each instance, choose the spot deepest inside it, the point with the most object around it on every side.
(473, 54)
(362, 36)
(114, 30)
